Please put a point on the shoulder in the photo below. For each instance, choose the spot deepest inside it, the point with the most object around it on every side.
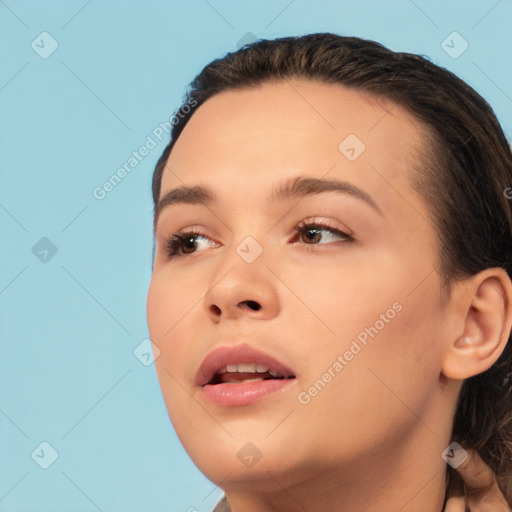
(222, 506)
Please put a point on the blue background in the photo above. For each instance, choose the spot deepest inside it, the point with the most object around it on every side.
(69, 325)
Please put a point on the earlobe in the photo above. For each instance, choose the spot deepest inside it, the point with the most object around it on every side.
(487, 308)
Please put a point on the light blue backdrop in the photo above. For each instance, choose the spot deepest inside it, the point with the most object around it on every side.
(83, 84)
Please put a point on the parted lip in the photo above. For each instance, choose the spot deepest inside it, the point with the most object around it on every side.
(221, 357)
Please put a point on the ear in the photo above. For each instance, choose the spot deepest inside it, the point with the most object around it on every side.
(484, 308)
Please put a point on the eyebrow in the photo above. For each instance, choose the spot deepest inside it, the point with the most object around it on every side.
(298, 187)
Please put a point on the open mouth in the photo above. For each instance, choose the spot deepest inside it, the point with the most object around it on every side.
(240, 375)
(240, 364)
(245, 372)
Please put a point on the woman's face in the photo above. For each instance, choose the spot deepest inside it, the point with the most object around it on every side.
(351, 307)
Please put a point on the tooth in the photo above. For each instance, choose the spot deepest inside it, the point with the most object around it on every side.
(273, 373)
(244, 380)
(247, 368)
(260, 368)
(222, 370)
(232, 368)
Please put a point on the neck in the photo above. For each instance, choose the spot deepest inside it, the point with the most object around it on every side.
(407, 477)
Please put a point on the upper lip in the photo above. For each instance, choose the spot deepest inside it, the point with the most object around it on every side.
(221, 357)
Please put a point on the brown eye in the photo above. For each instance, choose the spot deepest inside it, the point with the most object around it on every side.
(183, 243)
(311, 233)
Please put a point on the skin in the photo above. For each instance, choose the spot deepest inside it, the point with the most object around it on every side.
(371, 439)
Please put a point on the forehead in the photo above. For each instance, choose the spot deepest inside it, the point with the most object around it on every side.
(250, 139)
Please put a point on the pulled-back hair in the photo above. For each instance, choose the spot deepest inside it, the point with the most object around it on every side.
(466, 180)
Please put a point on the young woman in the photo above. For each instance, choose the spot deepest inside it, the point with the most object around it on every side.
(331, 288)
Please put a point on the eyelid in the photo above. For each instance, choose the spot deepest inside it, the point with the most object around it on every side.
(305, 221)
(196, 229)
(336, 228)
(326, 223)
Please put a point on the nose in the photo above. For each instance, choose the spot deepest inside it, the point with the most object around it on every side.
(244, 290)
(247, 305)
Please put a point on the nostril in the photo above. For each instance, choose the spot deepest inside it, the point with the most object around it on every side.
(215, 309)
(252, 304)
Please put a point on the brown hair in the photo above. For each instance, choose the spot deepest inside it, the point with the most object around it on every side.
(464, 177)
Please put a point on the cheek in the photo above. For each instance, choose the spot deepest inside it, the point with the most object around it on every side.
(389, 340)
(165, 308)
(391, 361)
(174, 307)
(169, 301)
(157, 303)
(167, 314)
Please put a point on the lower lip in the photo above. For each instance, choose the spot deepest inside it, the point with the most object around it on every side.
(244, 393)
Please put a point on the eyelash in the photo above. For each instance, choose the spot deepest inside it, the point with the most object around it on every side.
(174, 243)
